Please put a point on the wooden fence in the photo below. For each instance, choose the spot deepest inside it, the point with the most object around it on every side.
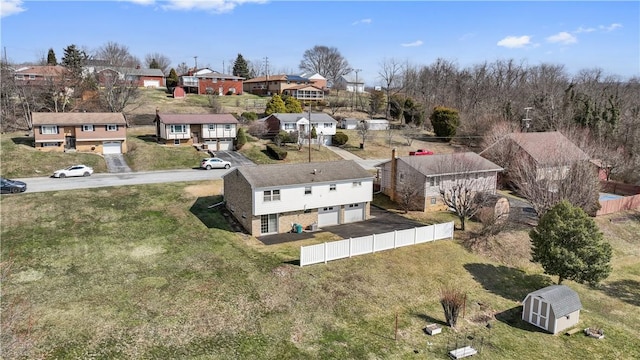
(341, 249)
(619, 204)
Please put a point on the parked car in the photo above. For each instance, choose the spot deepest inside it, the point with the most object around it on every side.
(73, 170)
(214, 163)
(12, 186)
(420, 152)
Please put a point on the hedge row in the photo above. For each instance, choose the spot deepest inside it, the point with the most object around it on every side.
(277, 152)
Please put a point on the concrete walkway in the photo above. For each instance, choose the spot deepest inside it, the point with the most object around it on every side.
(367, 164)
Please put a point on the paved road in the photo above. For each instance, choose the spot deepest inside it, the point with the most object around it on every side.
(40, 184)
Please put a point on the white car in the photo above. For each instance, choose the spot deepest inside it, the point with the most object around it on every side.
(214, 163)
(74, 170)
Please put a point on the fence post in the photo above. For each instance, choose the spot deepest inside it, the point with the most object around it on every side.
(453, 226)
(325, 253)
(415, 235)
(434, 232)
(301, 259)
(350, 247)
(395, 236)
(373, 244)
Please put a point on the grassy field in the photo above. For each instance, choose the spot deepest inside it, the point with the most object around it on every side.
(148, 272)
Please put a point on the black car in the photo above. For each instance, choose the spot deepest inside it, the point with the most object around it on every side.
(12, 186)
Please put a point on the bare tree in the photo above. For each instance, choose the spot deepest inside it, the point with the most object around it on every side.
(409, 133)
(391, 71)
(116, 55)
(162, 62)
(117, 90)
(452, 301)
(409, 192)
(363, 131)
(326, 61)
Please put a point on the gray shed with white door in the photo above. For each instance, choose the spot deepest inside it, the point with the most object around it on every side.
(554, 308)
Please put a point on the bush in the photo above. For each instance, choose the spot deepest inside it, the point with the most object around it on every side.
(340, 138)
(241, 139)
(250, 115)
(276, 152)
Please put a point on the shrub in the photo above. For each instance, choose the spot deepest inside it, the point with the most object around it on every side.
(340, 138)
(276, 152)
(241, 139)
(250, 115)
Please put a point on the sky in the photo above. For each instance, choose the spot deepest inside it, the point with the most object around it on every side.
(580, 35)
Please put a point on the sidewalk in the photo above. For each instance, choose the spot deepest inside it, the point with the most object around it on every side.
(367, 164)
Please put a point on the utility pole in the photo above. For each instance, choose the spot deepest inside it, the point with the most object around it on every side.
(309, 131)
(357, 97)
(266, 72)
(195, 58)
(526, 122)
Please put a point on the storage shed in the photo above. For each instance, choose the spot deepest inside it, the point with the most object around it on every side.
(554, 308)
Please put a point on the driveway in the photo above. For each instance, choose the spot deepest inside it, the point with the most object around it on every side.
(381, 221)
(234, 157)
(116, 164)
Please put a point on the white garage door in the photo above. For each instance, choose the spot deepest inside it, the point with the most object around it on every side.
(111, 147)
(225, 145)
(328, 216)
(353, 212)
(152, 83)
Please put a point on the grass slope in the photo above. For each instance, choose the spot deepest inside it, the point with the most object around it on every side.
(149, 272)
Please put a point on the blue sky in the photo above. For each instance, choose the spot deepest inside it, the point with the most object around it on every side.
(577, 34)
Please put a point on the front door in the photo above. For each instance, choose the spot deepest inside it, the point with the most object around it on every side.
(196, 137)
(70, 142)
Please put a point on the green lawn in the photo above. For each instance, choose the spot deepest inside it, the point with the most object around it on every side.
(149, 272)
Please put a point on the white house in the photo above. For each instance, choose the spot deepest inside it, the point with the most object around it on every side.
(372, 124)
(324, 124)
(553, 308)
(217, 131)
(350, 84)
(270, 199)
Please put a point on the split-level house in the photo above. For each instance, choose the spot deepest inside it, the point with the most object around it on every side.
(216, 131)
(418, 180)
(206, 81)
(40, 75)
(103, 133)
(324, 124)
(299, 87)
(270, 199)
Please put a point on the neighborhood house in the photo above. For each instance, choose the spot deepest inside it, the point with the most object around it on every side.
(418, 179)
(271, 199)
(103, 133)
(212, 131)
(324, 124)
(553, 308)
(208, 82)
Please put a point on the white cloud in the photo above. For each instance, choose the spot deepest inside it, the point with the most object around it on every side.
(362, 21)
(514, 42)
(413, 44)
(610, 27)
(11, 7)
(562, 38)
(215, 6)
(584, 30)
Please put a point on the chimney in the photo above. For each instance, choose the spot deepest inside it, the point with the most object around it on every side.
(394, 175)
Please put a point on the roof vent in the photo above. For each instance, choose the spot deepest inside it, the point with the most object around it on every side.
(314, 171)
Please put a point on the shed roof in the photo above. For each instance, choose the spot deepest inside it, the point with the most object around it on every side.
(562, 299)
(263, 176)
(447, 164)
(197, 119)
(548, 147)
(80, 118)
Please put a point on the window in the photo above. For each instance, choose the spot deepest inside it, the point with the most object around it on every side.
(434, 181)
(178, 129)
(433, 200)
(289, 126)
(271, 195)
(332, 187)
(227, 127)
(328, 125)
(176, 142)
(357, 183)
(307, 190)
(212, 127)
(48, 129)
(50, 144)
(19, 77)
(112, 127)
(87, 127)
(32, 77)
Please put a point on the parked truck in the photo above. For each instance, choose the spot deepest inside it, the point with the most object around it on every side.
(420, 152)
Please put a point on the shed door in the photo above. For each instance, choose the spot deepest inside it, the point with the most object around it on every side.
(540, 313)
(111, 147)
(328, 216)
(353, 212)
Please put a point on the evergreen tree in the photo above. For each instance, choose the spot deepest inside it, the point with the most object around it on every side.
(172, 79)
(74, 60)
(568, 243)
(241, 68)
(275, 105)
(154, 64)
(292, 105)
(51, 58)
(445, 122)
(241, 139)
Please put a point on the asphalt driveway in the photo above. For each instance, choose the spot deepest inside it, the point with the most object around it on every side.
(381, 221)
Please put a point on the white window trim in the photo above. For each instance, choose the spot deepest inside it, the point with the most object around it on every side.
(45, 129)
(271, 195)
(87, 128)
(112, 127)
(172, 129)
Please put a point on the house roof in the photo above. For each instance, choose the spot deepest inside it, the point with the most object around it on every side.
(446, 164)
(280, 77)
(197, 119)
(297, 78)
(40, 118)
(264, 176)
(131, 71)
(316, 117)
(351, 79)
(218, 75)
(50, 70)
(548, 147)
(562, 299)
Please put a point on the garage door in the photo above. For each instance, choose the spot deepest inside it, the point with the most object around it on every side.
(225, 145)
(328, 216)
(111, 147)
(353, 212)
(152, 83)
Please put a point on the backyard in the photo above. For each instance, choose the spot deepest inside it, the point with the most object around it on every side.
(150, 272)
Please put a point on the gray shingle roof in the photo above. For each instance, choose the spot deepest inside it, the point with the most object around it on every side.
(315, 117)
(197, 119)
(82, 118)
(446, 164)
(548, 147)
(562, 299)
(264, 176)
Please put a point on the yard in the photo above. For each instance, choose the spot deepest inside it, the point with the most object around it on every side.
(150, 272)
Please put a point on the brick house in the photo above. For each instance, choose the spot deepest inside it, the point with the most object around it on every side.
(103, 133)
(206, 81)
(40, 75)
(215, 131)
(301, 88)
(269, 199)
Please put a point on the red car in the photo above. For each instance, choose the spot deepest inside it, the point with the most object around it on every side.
(421, 152)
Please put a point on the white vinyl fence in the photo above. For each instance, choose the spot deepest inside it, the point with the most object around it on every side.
(341, 249)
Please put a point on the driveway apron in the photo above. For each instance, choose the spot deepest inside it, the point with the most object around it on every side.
(116, 163)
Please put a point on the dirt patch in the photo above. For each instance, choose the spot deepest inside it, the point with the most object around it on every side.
(28, 275)
(209, 188)
(144, 251)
